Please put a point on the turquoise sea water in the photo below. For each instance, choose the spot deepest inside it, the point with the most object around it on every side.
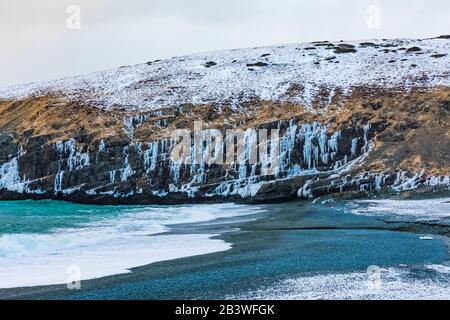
(40, 241)
(44, 216)
(292, 250)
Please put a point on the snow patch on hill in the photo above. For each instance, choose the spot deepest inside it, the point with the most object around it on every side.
(293, 73)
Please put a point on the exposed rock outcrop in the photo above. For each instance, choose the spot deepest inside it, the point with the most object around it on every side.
(384, 129)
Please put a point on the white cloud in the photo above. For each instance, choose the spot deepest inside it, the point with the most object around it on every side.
(36, 45)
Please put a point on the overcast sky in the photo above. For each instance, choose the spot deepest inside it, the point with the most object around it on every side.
(40, 40)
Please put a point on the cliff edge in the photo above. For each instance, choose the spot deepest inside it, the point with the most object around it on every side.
(350, 118)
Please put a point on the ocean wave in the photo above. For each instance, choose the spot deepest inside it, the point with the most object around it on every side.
(111, 245)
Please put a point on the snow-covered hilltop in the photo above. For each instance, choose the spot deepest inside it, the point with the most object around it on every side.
(352, 118)
(293, 73)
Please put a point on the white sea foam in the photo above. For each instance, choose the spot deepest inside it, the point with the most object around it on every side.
(110, 246)
(395, 284)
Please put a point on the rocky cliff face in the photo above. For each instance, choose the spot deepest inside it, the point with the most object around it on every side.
(352, 119)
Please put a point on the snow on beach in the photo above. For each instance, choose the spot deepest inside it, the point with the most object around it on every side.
(425, 209)
(395, 283)
(294, 73)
